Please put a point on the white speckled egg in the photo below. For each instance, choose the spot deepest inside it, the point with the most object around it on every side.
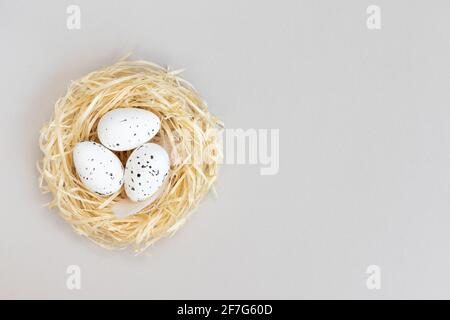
(99, 169)
(145, 171)
(127, 128)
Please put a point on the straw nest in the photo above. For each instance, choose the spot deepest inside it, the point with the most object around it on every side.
(195, 153)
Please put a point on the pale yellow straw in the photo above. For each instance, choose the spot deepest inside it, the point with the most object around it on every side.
(137, 84)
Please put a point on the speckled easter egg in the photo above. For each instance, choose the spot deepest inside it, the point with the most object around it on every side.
(145, 171)
(99, 169)
(127, 128)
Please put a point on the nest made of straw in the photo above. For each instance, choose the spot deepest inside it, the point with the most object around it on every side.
(137, 84)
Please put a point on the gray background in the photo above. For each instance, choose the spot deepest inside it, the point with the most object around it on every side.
(364, 151)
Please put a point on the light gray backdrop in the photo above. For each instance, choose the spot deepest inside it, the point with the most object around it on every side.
(364, 148)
